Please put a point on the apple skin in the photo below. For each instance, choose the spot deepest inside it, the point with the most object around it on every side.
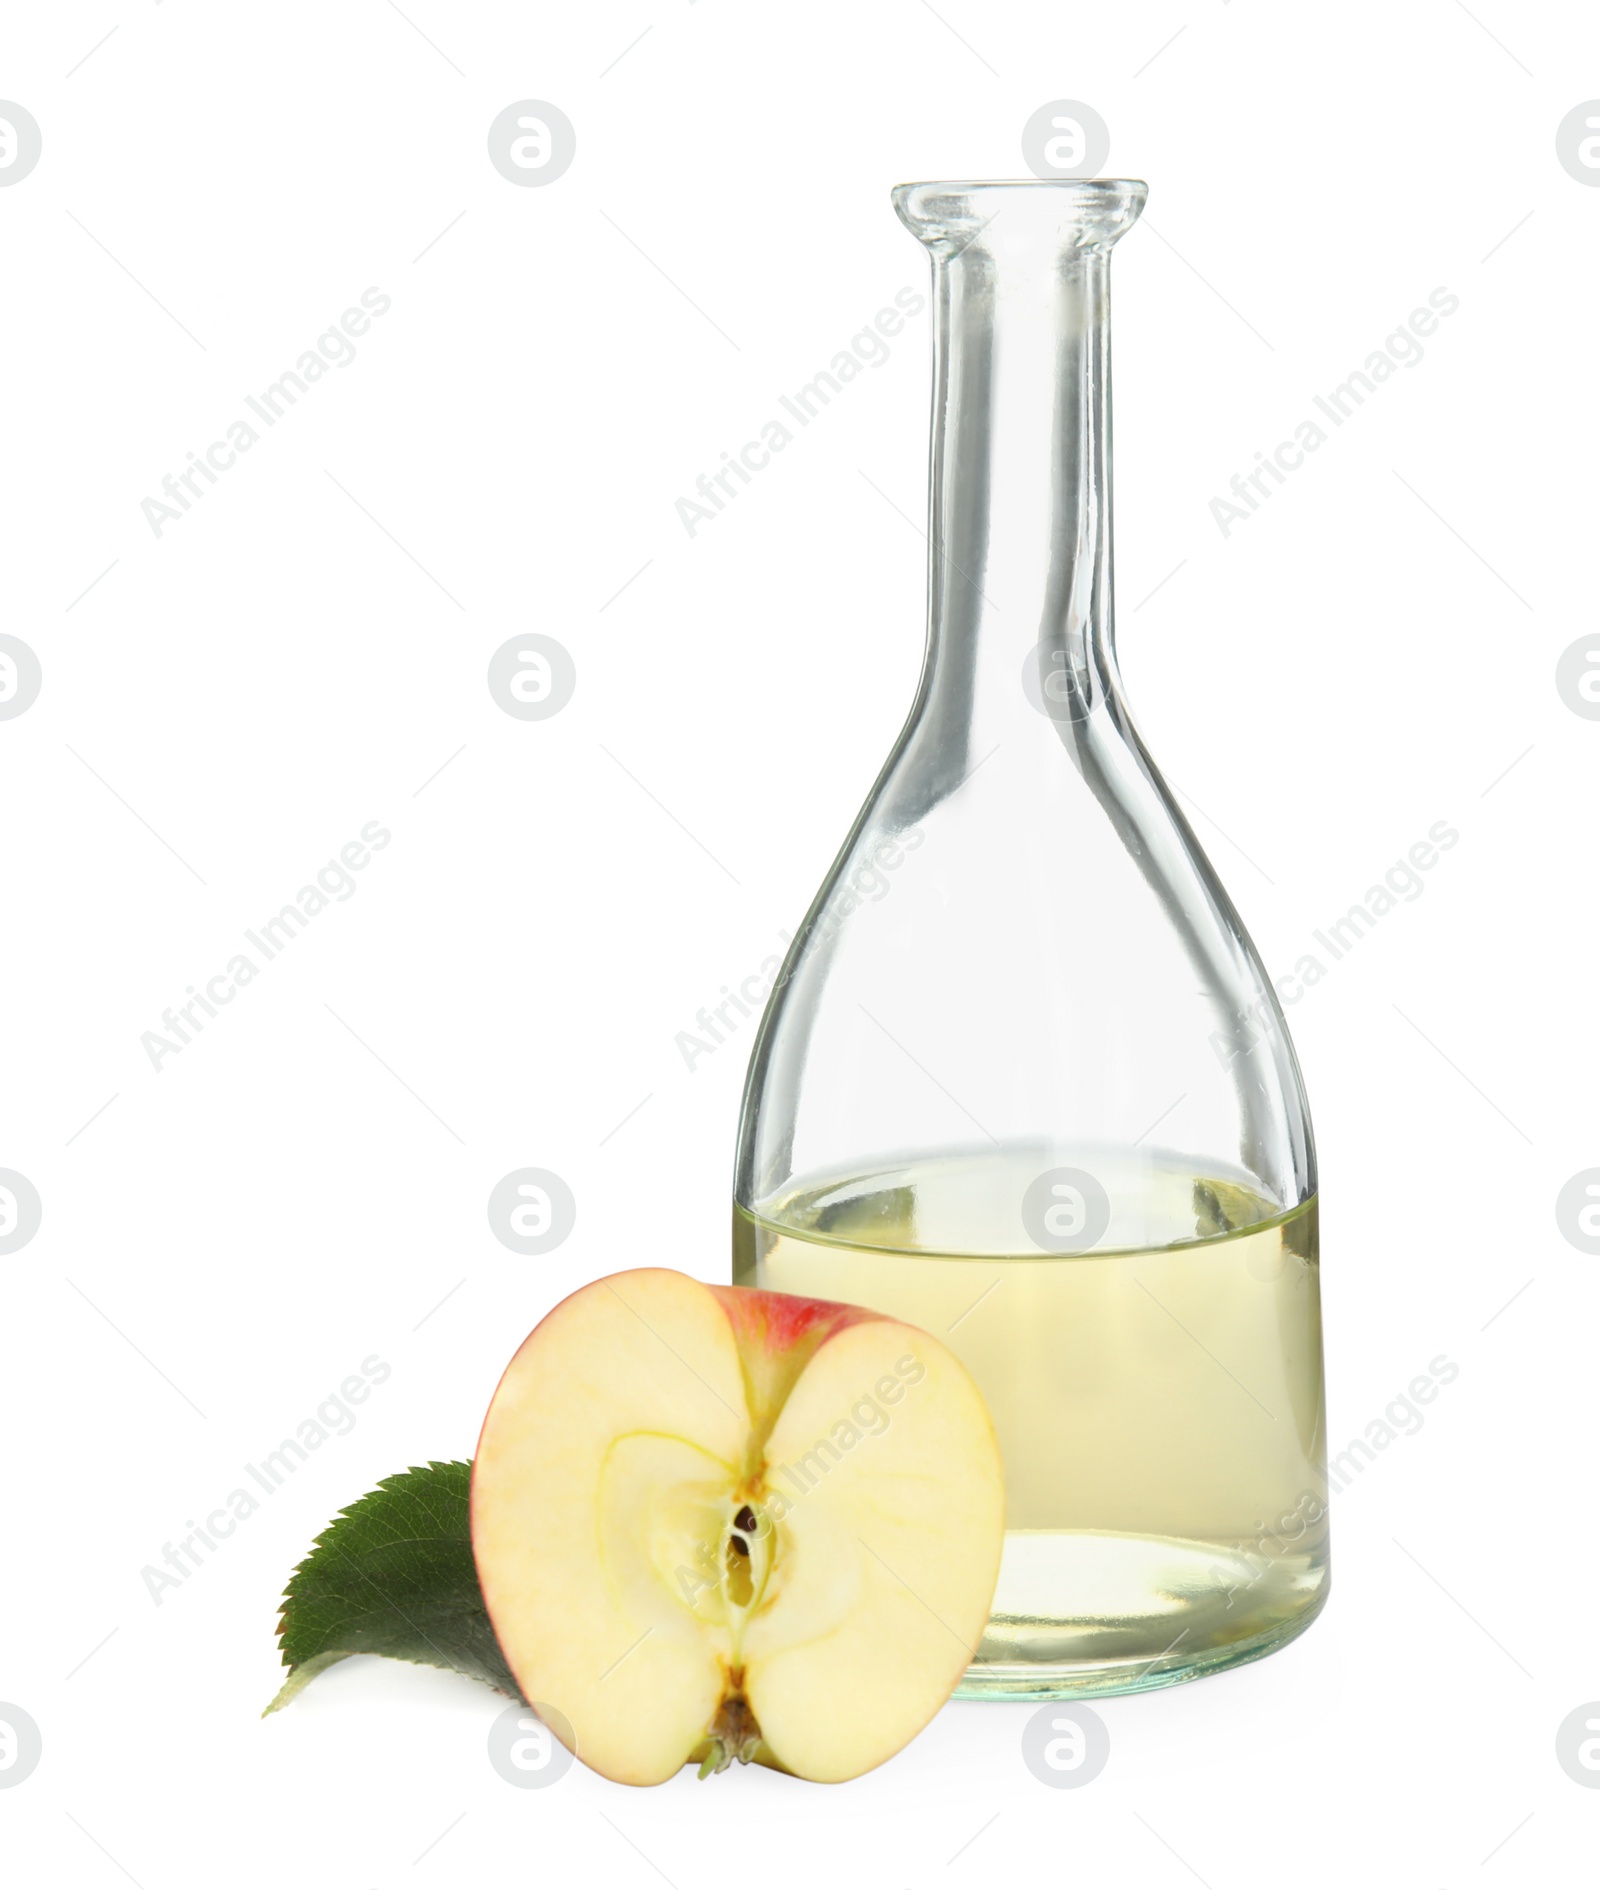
(637, 1432)
(778, 1334)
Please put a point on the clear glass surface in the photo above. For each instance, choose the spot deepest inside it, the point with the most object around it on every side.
(1022, 1079)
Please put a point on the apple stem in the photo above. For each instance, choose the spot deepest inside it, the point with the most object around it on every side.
(734, 1734)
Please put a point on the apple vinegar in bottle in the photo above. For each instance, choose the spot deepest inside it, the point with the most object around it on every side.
(1038, 1098)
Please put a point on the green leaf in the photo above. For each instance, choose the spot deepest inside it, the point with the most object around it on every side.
(393, 1574)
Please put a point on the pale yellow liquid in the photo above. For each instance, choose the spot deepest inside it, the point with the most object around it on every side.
(1159, 1406)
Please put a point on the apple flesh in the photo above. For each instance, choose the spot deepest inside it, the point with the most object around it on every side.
(712, 1523)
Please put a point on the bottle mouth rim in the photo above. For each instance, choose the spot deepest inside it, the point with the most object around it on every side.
(1081, 212)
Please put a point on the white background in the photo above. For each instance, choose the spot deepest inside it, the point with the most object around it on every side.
(305, 1184)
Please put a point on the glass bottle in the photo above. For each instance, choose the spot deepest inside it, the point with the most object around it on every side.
(1023, 1080)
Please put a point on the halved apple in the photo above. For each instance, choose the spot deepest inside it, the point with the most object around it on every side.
(712, 1523)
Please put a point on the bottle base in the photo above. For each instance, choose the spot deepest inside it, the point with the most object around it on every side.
(1156, 1611)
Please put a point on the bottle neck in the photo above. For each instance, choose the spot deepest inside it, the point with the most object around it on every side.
(1020, 507)
(1020, 520)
